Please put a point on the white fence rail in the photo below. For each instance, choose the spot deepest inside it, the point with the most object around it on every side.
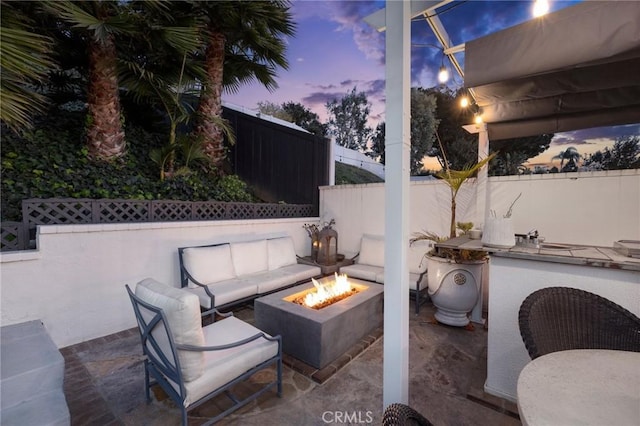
(358, 159)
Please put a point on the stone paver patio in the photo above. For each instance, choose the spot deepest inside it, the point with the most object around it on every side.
(104, 383)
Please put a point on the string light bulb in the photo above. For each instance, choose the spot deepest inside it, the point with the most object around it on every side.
(478, 118)
(464, 102)
(443, 74)
(540, 7)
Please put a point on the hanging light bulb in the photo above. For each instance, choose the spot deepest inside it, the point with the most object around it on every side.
(540, 7)
(477, 118)
(464, 102)
(443, 74)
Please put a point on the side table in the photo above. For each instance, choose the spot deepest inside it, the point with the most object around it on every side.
(326, 269)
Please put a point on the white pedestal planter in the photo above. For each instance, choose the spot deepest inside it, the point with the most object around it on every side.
(454, 288)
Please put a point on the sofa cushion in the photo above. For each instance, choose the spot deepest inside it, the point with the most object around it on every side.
(281, 252)
(209, 264)
(282, 277)
(225, 292)
(250, 257)
(371, 251)
(225, 365)
(182, 311)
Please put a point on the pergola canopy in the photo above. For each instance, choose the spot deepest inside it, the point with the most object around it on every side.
(576, 68)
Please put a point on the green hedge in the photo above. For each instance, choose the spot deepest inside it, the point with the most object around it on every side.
(51, 161)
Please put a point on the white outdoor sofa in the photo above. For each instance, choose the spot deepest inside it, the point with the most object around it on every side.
(223, 275)
(369, 265)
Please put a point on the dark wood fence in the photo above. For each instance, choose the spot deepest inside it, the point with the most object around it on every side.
(20, 236)
(280, 163)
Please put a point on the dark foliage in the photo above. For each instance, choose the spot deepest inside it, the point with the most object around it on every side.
(51, 161)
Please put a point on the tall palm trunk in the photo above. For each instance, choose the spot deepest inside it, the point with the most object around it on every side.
(105, 137)
(210, 106)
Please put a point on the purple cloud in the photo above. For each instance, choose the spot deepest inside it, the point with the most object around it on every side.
(350, 17)
(587, 136)
(321, 98)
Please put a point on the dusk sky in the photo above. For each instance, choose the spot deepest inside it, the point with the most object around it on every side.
(334, 50)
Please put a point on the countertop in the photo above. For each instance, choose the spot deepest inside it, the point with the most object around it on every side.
(600, 257)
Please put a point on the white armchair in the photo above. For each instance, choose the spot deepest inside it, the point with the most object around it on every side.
(193, 363)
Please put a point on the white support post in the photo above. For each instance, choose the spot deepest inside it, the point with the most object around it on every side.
(482, 211)
(332, 162)
(397, 148)
(482, 185)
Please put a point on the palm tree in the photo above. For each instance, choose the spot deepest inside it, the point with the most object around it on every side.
(455, 178)
(25, 60)
(571, 154)
(244, 41)
(127, 43)
(100, 22)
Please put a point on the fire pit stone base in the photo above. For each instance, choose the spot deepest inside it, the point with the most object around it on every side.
(318, 337)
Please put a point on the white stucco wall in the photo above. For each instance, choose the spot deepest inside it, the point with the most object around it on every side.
(359, 209)
(593, 208)
(512, 280)
(74, 282)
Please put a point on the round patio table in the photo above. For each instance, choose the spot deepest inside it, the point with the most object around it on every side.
(581, 387)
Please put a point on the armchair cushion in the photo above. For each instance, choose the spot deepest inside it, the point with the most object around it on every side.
(209, 264)
(182, 310)
(416, 259)
(371, 251)
(250, 257)
(220, 367)
(281, 252)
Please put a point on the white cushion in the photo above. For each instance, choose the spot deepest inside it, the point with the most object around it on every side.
(209, 264)
(182, 311)
(223, 366)
(413, 281)
(365, 272)
(416, 259)
(250, 257)
(282, 277)
(225, 292)
(371, 251)
(281, 252)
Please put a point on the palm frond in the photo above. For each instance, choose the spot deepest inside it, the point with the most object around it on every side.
(24, 59)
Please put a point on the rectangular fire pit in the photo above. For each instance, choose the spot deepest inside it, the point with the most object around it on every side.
(318, 337)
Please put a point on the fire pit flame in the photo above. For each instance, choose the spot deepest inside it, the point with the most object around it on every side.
(330, 290)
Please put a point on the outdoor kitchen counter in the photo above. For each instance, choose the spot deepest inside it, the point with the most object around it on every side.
(600, 257)
(519, 271)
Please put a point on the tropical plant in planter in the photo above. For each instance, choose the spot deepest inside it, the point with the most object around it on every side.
(454, 274)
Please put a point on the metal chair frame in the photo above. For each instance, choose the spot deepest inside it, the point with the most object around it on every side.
(160, 367)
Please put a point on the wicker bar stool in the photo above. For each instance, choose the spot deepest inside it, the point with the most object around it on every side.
(397, 414)
(561, 318)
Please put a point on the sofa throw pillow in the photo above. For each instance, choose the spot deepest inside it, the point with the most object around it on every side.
(209, 264)
(281, 252)
(250, 257)
(182, 310)
(372, 250)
